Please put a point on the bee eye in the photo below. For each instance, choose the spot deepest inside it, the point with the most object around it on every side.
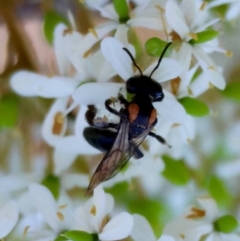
(158, 97)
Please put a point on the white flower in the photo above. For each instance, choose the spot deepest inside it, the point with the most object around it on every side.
(54, 214)
(143, 14)
(195, 223)
(169, 109)
(187, 19)
(8, 218)
(60, 87)
(142, 231)
(94, 215)
(113, 51)
(233, 7)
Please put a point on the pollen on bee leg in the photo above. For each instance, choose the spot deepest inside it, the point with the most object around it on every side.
(93, 210)
(58, 123)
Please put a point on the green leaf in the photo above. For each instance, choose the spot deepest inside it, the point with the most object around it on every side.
(204, 36)
(232, 90)
(134, 39)
(119, 191)
(53, 184)
(8, 111)
(60, 238)
(219, 191)
(175, 171)
(226, 224)
(155, 46)
(194, 107)
(121, 7)
(221, 11)
(76, 235)
(51, 20)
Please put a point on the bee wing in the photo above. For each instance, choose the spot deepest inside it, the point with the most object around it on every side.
(118, 156)
(114, 159)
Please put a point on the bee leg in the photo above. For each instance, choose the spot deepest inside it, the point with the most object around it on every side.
(159, 138)
(100, 123)
(137, 153)
(97, 122)
(90, 114)
(108, 102)
(122, 99)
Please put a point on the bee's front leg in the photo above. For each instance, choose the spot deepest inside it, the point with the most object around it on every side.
(97, 122)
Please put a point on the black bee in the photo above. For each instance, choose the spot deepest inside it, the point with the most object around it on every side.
(137, 118)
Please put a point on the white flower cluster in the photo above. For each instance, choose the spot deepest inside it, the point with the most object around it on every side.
(88, 67)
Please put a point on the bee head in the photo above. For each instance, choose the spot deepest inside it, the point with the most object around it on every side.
(145, 85)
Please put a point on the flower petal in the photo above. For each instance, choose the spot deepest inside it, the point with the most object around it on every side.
(183, 133)
(199, 85)
(8, 218)
(98, 68)
(63, 159)
(213, 73)
(104, 203)
(75, 146)
(142, 230)
(26, 83)
(55, 123)
(112, 50)
(171, 109)
(59, 44)
(89, 40)
(75, 51)
(108, 12)
(209, 206)
(99, 199)
(167, 70)
(70, 181)
(176, 19)
(183, 56)
(45, 203)
(30, 84)
(118, 227)
(154, 23)
(166, 238)
(95, 93)
(206, 25)
(58, 86)
(189, 10)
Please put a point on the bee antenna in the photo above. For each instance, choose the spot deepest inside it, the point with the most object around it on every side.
(160, 59)
(133, 60)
